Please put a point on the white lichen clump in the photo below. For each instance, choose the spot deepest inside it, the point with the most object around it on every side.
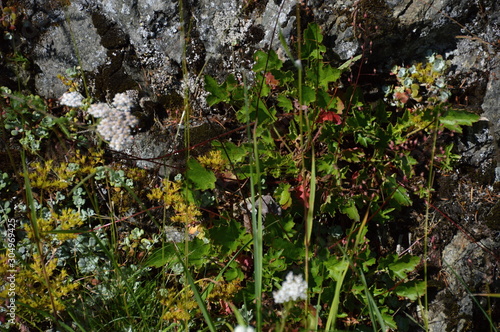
(229, 27)
(116, 121)
(72, 99)
(293, 289)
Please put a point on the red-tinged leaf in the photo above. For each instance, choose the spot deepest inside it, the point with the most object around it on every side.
(303, 193)
(402, 97)
(329, 116)
(271, 81)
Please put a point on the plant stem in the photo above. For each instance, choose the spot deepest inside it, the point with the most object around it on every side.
(430, 181)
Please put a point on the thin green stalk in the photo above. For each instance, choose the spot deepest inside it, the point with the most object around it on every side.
(185, 119)
(430, 182)
(256, 217)
(372, 304)
(309, 207)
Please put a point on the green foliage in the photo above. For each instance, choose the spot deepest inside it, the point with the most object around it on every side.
(173, 254)
(26, 117)
(363, 154)
(201, 178)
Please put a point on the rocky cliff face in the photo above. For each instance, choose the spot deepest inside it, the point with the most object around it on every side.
(141, 44)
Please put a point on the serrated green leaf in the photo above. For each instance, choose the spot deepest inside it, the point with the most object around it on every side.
(228, 236)
(364, 140)
(313, 47)
(308, 95)
(257, 110)
(336, 268)
(285, 198)
(291, 250)
(325, 101)
(234, 153)
(388, 319)
(313, 34)
(350, 210)
(265, 62)
(217, 92)
(412, 290)
(283, 76)
(198, 252)
(353, 155)
(327, 75)
(200, 177)
(454, 119)
(285, 103)
(399, 266)
(233, 272)
(399, 193)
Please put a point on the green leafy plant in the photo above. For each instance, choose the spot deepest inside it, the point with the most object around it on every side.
(315, 137)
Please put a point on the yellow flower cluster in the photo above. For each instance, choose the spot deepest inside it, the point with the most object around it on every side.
(214, 161)
(31, 287)
(170, 193)
(224, 290)
(425, 73)
(66, 221)
(177, 307)
(88, 161)
(51, 176)
(48, 176)
(185, 213)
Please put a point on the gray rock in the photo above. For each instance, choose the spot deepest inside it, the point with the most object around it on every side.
(69, 44)
(464, 271)
(491, 102)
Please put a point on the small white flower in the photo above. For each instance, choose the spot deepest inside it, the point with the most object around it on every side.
(123, 102)
(72, 99)
(293, 288)
(241, 328)
(99, 110)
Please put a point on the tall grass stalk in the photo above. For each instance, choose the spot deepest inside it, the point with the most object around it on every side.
(120, 276)
(428, 194)
(185, 119)
(257, 227)
(308, 176)
(190, 282)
